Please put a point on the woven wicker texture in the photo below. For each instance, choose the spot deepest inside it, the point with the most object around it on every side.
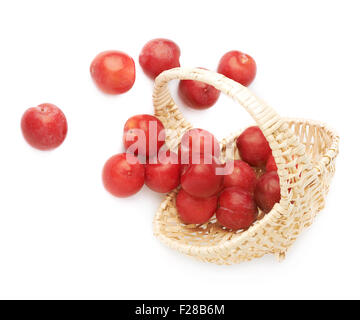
(304, 152)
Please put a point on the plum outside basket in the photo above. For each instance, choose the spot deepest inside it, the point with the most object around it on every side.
(304, 152)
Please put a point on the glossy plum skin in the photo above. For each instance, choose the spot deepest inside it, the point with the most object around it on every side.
(113, 72)
(253, 147)
(123, 175)
(197, 141)
(154, 139)
(159, 55)
(267, 191)
(237, 209)
(194, 210)
(243, 176)
(197, 94)
(270, 164)
(200, 180)
(163, 176)
(44, 127)
(238, 66)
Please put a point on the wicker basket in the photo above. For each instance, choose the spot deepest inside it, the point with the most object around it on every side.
(304, 152)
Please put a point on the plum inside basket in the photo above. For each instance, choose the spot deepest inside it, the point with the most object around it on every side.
(317, 140)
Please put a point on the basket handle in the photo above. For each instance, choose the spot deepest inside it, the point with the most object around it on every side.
(267, 119)
(275, 129)
(285, 146)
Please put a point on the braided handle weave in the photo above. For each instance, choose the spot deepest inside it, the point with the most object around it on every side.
(275, 129)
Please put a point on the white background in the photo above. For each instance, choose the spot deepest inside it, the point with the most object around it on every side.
(63, 236)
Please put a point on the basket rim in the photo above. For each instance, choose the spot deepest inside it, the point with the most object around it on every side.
(332, 151)
(275, 213)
